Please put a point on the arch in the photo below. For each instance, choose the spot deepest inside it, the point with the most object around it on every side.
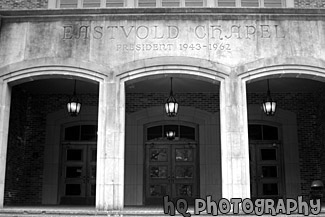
(209, 142)
(35, 69)
(276, 67)
(46, 68)
(183, 66)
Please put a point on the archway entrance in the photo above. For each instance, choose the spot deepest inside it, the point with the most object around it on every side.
(298, 121)
(171, 165)
(49, 151)
(155, 166)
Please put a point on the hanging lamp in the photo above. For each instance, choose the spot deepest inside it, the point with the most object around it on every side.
(170, 134)
(74, 104)
(268, 105)
(171, 105)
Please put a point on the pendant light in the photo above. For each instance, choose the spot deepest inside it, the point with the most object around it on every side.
(268, 105)
(74, 104)
(170, 135)
(171, 105)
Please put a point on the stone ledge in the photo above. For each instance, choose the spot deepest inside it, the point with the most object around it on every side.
(140, 12)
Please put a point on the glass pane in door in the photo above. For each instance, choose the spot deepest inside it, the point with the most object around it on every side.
(268, 154)
(73, 172)
(73, 189)
(184, 172)
(183, 154)
(158, 171)
(158, 154)
(74, 155)
(270, 189)
(184, 190)
(270, 171)
(158, 190)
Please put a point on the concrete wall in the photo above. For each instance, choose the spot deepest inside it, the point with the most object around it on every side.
(230, 46)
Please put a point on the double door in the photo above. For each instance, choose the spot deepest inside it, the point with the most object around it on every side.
(171, 170)
(266, 171)
(78, 174)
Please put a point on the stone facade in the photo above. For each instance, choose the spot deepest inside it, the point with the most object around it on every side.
(231, 47)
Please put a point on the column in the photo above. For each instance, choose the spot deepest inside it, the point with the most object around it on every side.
(234, 139)
(110, 147)
(5, 95)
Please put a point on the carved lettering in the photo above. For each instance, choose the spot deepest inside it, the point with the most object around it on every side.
(67, 32)
(83, 32)
(213, 32)
(98, 32)
(173, 32)
(157, 33)
(144, 47)
(277, 32)
(265, 31)
(234, 30)
(250, 31)
(200, 33)
(127, 34)
(142, 32)
(220, 33)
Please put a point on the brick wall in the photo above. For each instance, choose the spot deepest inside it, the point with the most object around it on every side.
(24, 171)
(28, 120)
(205, 101)
(305, 105)
(15, 173)
(321, 130)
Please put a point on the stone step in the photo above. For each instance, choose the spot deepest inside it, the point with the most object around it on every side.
(126, 212)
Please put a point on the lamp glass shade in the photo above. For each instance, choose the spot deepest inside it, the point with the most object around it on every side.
(74, 106)
(269, 107)
(171, 106)
(170, 135)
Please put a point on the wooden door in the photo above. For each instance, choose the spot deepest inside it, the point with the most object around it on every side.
(78, 176)
(171, 169)
(266, 170)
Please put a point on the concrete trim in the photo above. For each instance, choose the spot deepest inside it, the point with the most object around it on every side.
(222, 13)
(276, 67)
(160, 66)
(5, 96)
(52, 67)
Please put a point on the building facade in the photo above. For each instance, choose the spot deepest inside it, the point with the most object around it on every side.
(122, 54)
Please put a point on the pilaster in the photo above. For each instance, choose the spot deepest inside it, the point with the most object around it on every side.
(5, 94)
(234, 139)
(110, 148)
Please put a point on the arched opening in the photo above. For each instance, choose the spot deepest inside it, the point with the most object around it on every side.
(197, 127)
(299, 120)
(38, 165)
